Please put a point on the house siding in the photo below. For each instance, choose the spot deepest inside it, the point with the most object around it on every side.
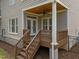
(0, 7)
(73, 19)
(73, 16)
(8, 11)
(62, 21)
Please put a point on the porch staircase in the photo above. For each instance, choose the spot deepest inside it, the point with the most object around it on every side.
(29, 50)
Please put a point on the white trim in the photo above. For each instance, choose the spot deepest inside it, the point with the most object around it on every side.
(54, 22)
(13, 33)
(54, 27)
(62, 4)
(32, 24)
(61, 11)
(48, 1)
(32, 13)
(54, 43)
(15, 18)
(22, 22)
(13, 37)
(48, 25)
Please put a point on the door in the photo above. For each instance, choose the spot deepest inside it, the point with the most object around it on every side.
(32, 26)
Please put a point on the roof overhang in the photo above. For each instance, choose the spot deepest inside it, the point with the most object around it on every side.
(58, 1)
(47, 6)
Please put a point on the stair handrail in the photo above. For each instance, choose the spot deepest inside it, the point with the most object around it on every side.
(19, 42)
(22, 37)
(31, 43)
(32, 40)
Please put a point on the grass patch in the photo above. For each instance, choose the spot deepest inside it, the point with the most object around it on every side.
(2, 53)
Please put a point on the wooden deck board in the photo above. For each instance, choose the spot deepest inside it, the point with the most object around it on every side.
(46, 39)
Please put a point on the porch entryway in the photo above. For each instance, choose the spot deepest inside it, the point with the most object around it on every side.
(42, 26)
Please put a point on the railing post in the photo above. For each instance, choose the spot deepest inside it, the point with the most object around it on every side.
(24, 30)
(24, 38)
(15, 51)
(68, 42)
(26, 54)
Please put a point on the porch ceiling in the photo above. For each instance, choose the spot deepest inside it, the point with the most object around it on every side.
(45, 7)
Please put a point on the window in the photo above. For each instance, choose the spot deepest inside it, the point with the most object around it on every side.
(47, 24)
(50, 24)
(13, 25)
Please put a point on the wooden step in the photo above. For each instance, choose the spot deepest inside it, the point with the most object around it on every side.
(36, 41)
(28, 56)
(32, 48)
(30, 52)
(20, 57)
(33, 45)
(22, 54)
(23, 49)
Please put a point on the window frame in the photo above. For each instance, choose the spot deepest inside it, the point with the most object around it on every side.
(47, 19)
(10, 26)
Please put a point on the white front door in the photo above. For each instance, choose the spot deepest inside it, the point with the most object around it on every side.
(32, 25)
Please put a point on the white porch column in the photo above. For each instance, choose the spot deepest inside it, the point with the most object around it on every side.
(54, 52)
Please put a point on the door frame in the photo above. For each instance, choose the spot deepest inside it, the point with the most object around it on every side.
(32, 25)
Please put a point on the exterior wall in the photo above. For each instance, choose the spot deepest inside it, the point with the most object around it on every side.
(15, 10)
(62, 21)
(73, 18)
(8, 11)
(0, 7)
